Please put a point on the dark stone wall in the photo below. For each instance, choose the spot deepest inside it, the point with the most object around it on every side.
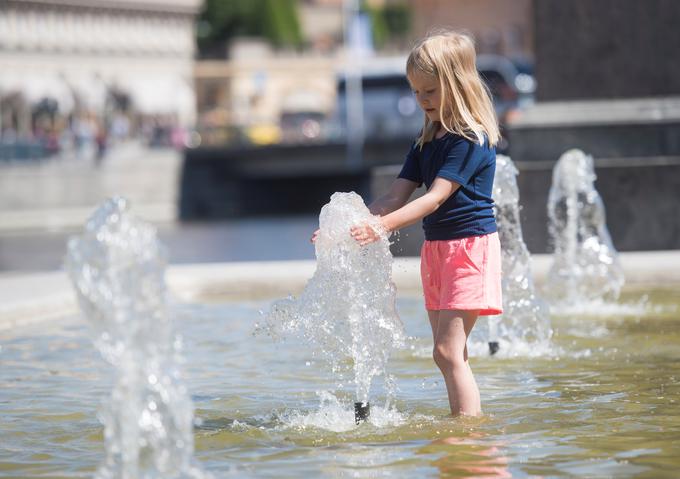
(587, 49)
(641, 198)
(548, 143)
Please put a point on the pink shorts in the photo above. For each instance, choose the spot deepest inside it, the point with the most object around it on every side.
(463, 274)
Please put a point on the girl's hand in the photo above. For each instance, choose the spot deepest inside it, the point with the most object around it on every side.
(366, 234)
(314, 236)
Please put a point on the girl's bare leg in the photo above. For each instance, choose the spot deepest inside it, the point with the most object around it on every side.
(450, 330)
(433, 316)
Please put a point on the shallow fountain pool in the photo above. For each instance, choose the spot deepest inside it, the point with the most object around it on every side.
(604, 402)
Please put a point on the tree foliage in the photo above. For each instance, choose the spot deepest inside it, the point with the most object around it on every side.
(389, 22)
(222, 20)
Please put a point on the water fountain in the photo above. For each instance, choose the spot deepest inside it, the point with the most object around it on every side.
(50, 380)
(585, 265)
(347, 309)
(117, 269)
(525, 319)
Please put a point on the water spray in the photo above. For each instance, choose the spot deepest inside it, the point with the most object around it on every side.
(525, 316)
(347, 311)
(117, 268)
(585, 265)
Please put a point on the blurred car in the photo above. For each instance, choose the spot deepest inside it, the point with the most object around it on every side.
(499, 74)
(512, 87)
(525, 82)
(390, 109)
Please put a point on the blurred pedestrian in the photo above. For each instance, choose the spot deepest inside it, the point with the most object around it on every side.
(101, 140)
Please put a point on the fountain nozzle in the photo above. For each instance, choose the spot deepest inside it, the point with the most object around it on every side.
(361, 411)
(493, 347)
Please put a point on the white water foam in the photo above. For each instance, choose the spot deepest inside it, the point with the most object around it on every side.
(333, 414)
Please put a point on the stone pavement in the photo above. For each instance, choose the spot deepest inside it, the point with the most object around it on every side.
(35, 297)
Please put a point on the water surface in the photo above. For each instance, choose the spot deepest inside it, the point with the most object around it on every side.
(603, 402)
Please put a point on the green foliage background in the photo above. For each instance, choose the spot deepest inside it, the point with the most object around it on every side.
(221, 20)
(277, 21)
(389, 22)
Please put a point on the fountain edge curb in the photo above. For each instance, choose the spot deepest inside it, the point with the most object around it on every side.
(35, 297)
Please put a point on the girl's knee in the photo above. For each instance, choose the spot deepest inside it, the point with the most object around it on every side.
(447, 358)
(439, 356)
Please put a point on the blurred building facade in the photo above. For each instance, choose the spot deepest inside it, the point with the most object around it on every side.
(500, 27)
(79, 65)
(255, 89)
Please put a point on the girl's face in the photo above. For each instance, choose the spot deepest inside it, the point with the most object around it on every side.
(428, 94)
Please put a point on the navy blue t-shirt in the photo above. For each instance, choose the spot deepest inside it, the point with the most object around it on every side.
(469, 210)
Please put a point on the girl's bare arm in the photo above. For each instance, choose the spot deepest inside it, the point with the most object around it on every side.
(408, 214)
(396, 197)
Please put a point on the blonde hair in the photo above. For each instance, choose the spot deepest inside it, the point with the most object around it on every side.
(466, 107)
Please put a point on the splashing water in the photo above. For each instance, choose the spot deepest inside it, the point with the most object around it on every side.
(117, 269)
(332, 415)
(347, 309)
(585, 264)
(525, 319)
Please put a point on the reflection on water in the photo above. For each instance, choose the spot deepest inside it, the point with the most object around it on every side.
(594, 410)
(468, 457)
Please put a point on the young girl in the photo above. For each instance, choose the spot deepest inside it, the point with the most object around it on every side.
(455, 157)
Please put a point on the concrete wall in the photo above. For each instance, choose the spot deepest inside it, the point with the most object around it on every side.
(605, 129)
(280, 179)
(61, 193)
(33, 298)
